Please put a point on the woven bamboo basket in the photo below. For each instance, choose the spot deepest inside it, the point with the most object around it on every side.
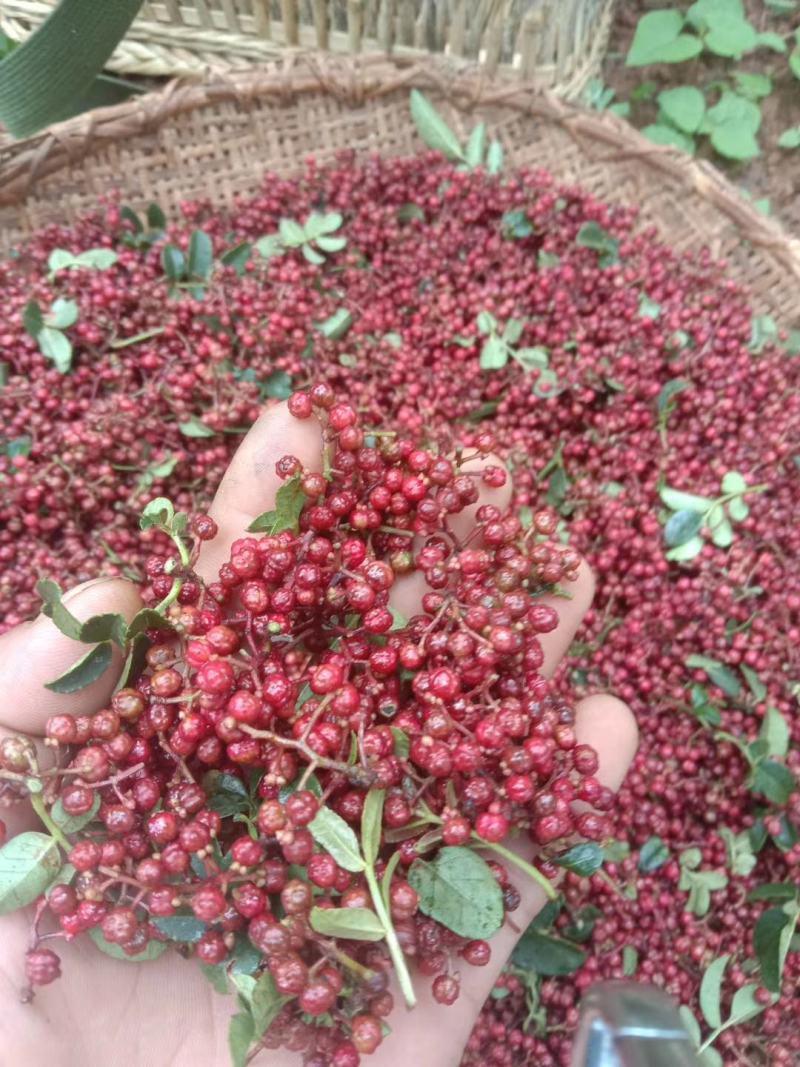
(558, 44)
(214, 139)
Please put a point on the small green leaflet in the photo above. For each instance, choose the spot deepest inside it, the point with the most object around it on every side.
(371, 820)
(194, 427)
(337, 325)
(711, 991)
(337, 837)
(458, 889)
(84, 671)
(546, 954)
(659, 39)
(432, 128)
(153, 950)
(583, 859)
(91, 259)
(71, 824)
(181, 927)
(241, 1032)
(653, 854)
(289, 502)
(721, 676)
(771, 939)
(592, 235)
(354, 924)
(29, 863)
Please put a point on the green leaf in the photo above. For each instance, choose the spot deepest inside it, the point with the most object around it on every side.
(630, 961)
(794, 61)
(774, 781)
(241, 1032)
(688, 551)
(84, 671)
(29, 863)
(494, 354)
(711, 991)
(769, 39)
(265, 1003)
(790, 138)
(476, 144)
(731, 37)
(752, 86)
(56, 346)
(648, 309)
(217, 975)
(771, 938)
(201, 255)
(516, 224)
(181, 927)
(194, 427)
(289, 503)
(720, 675)
(153, 950)
(71, 824)
(336, 325)
(583, 859)
(159, 512)
(336, 837)
(410, 213)
(764, 332)
(582, 923)
(737, 509)
(331, 244)
(18, 446)
(486, 322)
(237, 257)
(371, 819)
(536, 358)
(653, 854)
(547, 955)
(744, 1005)
(774, 730)
(278, 385)
(546, 383)
(32, 318)
(62, 314)
(773, 891)
(107, 627)
(691, 1025)
(432, 128)
(353, 924)
(270, 246)
(458, 889)
(156, 219)
(592, 235)
(402, 743)
(174, 262)
(739, 851)
(669, 390)
(684, 106)
(682, 527)
(722, 534)
(494, 158)
(55, 609)
(734, 142)
(704, 13)
(733, 482)
(513, 331)
(733, 124)
(658, 39)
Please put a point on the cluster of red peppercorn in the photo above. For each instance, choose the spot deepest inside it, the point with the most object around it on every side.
(427, 251)
(292, 681)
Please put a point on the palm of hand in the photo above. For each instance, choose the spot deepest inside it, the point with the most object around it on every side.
(164, 1013)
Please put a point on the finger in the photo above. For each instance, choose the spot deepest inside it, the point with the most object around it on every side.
(37, 652)
(250, 483)
(608, 725)
(408, 591)
(570, 615)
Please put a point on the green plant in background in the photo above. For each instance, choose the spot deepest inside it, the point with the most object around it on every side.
(726, 110)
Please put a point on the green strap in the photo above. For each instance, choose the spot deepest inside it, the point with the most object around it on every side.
(40, 80)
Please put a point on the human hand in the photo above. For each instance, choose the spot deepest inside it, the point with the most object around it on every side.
(164, 1013)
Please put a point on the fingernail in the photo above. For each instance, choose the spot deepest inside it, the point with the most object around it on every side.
(82, 588)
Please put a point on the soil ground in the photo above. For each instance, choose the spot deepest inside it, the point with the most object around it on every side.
(774, 174)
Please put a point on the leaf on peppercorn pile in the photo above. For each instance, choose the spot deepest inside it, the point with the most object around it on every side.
(592, 235)
(756, 686)
(516, 224)
(771, 939)
(739, 852)
(184, 928)
(194, 427)
(630, 961)
(399, 621)
(458, 889)
(270, 246)
(152, 950)
(653, 854)
(432, 128)
(57, 347)
(54, 608)
(774, 781)
(744, 1005)
(173, 262)
(711, 991)
(546, 954)
(201, 255)
(353, 924)
(337, 837)
(402, 744)
(289, 502)
(336, 325)
(699, 884)
(29, 863)
(774, 891)
(722, 676)
(70, 824)
(582, 923)
(266, 1002)
(227, 804)
(278, 385)
(134, 661)
(476, 145)
(241, 1032)
(494, 354)
(84, 671)
(774, 731)
(371, 821)
(237, 257)
(677, 500)
(682, 527)
(583, 859)
(91, 259)
(159, 512)
(147, 619)
(32, 318)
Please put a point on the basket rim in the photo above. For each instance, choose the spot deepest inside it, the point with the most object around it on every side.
(355, 80)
